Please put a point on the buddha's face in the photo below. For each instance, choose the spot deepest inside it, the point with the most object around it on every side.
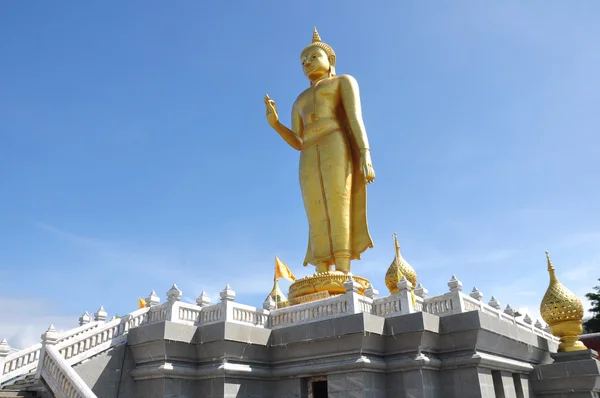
(315, 63)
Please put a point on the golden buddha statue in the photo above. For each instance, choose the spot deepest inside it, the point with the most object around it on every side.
(335, 162)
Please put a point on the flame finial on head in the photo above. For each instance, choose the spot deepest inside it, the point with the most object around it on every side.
(316, 37)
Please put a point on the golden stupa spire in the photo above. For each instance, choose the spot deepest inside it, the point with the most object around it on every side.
(277, 296)
(399, 267)
(562, 310)
(316, 37)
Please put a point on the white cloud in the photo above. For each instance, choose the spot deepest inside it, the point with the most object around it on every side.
(24, 321)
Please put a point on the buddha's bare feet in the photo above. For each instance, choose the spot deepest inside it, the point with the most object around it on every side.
(322, 267)
(342, 264)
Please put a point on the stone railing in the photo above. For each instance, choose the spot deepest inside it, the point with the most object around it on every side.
(58, 374)
(25, 361)
(456, 301)
(101, 338)
(94, 337)
(388, 306)
(349, 303)
(308, 312)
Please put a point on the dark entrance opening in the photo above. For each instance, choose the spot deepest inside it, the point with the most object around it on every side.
(319, 389)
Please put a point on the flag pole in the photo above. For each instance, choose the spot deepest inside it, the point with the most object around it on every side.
(275, 282)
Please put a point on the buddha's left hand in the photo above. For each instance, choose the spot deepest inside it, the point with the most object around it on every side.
(366, 167)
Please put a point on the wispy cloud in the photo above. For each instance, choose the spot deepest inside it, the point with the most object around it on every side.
(194, 271)
(23, 321)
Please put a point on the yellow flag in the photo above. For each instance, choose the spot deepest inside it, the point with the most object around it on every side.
(141, 303)
(282, 271)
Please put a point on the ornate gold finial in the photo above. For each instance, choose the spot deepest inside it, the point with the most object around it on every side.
(316, 42)
(316, 37)
(562, 310)
(278, 296)
(399, 267)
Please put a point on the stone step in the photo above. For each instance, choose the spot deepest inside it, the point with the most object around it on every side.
(17, 394)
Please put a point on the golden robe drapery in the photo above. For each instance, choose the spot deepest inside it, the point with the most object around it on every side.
(335, 198)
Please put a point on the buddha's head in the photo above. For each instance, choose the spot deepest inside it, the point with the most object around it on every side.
(318, 59)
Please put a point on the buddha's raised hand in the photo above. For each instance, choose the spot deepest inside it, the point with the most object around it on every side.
(272, 115)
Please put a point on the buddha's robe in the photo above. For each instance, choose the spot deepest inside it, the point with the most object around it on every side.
(333, 189)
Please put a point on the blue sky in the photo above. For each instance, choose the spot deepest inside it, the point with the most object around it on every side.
(134, 150)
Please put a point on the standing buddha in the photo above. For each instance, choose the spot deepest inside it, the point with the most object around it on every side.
(335, 160)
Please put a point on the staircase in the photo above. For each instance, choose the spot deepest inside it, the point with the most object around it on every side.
(22, 387)
(46, 369)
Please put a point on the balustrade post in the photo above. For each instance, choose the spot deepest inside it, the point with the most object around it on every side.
(527, 319)
(371, 292)
(509, 311)
(352, 295)
(227, 300)
(100, 315)
(85, 319)
(538, 324)
(421, 291)
(49, 338)
(406, 300)
(203, 300)
(547, 329)
(477, 295)
(152, 299)
(494, 303)
(173, 297)
(456, 286)
(269, 304)
(4, 351)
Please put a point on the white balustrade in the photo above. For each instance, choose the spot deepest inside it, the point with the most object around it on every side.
(365, 304)
(190, 314)
(61, 378)
(25, 361)
(419, 303)
(101, 338)
(247, 314)
(440, 305)
(470, 303)
(388, 306)
(213, 314)
(93, 337)
(157, 313)
(308, 312)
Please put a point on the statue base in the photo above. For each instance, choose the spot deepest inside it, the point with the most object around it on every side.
(314, 287)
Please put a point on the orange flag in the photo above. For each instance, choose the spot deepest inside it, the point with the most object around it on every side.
(282, 271)
(141, 303)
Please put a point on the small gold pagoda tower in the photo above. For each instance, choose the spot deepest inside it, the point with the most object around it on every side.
(277, 296)
(399, 267)
(562, 310)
